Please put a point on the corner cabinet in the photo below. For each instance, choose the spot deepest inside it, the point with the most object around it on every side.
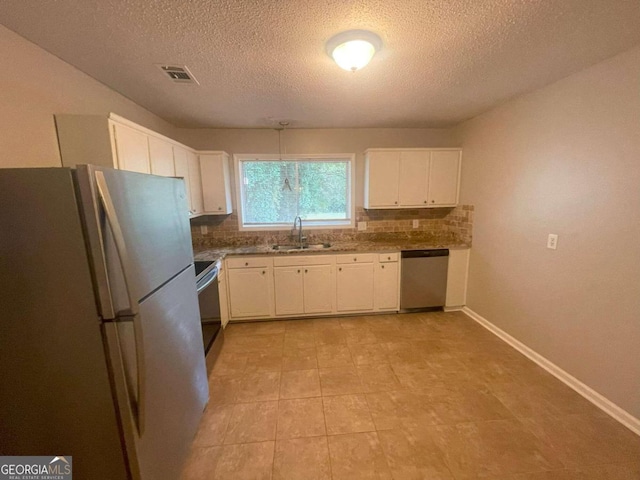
(412, 178)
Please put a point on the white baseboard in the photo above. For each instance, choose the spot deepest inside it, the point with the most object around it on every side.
(606, 405)
(453, 309)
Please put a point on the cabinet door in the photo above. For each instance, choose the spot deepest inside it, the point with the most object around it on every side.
(161, 157)
(457, 273)
(182, 170)
(444, 176)
(132, 149)
(383, 170)
(249, 292)
(216, 183)
(318, 289)
(354, 287)
(288, 287)
(195, 183)
(414, 170)
(222, 294)
(386, 286)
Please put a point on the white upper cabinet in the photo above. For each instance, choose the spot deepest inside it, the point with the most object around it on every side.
(411, 178)
(115, 142)
(414, 173)
(161, 157)
(132, 149)
(216, 183)
(444, 178)
(195, 183)
(382, 179)
(182, 170)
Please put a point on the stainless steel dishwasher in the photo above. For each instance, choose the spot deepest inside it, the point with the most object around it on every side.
(423, 281)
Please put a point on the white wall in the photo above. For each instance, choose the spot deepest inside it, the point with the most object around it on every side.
(336, 140)
(34, 86)
(566, 160)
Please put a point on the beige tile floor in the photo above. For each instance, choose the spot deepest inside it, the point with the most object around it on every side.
(418, 396)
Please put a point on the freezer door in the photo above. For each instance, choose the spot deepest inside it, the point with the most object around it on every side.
(148, 212)
(173, 390)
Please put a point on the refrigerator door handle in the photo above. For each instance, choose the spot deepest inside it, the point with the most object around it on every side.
(133, 314)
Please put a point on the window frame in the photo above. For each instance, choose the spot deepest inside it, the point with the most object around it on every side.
(350, 222)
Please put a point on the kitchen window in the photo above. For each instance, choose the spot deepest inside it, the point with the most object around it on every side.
(273, 190)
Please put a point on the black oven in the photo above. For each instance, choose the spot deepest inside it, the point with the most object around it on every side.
(209, 300)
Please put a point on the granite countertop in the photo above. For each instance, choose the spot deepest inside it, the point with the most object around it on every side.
(218, 253)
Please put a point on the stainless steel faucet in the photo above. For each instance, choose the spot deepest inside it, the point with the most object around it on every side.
(297, 223)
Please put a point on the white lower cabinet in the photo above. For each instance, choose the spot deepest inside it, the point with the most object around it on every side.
(457, 274)
(250, 291)
(319, 289)
(322, 284)
(304, 285)
(386, 286)
(288, 285)
(222, 293)
(354, 287)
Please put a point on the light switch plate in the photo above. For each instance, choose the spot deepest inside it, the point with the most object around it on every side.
(552, 241)
(204, 229)
(416, 223)
(362, 226)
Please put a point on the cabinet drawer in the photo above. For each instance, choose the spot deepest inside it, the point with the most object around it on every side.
(249, 262)
(295, 260)
(355, 258)
(388, 257)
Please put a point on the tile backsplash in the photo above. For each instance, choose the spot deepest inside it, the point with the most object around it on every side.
(448, 226)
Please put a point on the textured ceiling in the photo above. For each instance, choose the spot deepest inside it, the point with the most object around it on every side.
(262, 61)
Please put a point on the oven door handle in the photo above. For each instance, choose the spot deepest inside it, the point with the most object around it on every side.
(207, 280)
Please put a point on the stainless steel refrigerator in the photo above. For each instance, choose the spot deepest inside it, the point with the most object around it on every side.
(100, 339)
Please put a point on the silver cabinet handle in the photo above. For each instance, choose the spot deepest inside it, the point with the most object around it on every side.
(134, 313)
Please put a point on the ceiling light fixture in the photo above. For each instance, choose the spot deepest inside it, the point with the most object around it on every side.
(353, 49)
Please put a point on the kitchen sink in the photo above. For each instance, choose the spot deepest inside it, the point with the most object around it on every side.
(313, 246)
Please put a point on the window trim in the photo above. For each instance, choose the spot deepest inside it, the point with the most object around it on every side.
(338, 224)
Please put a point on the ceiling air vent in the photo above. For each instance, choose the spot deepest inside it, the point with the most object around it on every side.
(178, 74)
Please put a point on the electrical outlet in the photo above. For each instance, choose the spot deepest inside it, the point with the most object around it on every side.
(552, 241)
(416, 223)
(362, 226)
(204, 229)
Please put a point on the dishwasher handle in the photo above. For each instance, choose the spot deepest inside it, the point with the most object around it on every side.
(439, 252)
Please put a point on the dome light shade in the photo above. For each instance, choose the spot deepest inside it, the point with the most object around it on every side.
(353, 49)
